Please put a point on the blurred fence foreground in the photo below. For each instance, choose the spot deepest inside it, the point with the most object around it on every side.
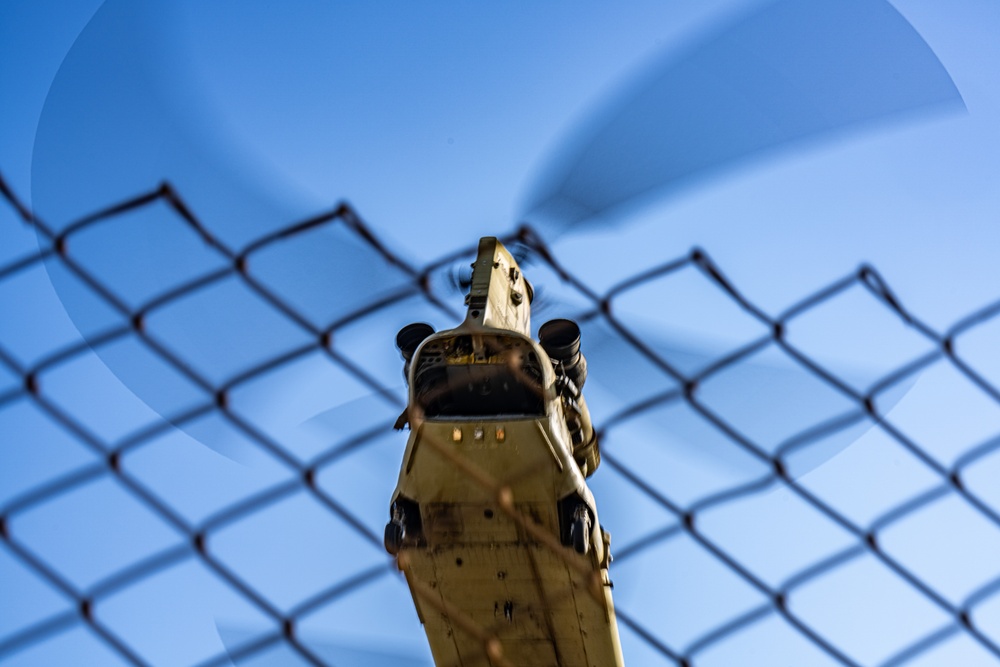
(196, 453)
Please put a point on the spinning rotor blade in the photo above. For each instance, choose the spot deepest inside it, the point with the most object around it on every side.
(328, 420)
(793, 71)
(765, 396)
(235, 637)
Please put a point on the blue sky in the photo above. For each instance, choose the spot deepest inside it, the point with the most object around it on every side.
(439, 123)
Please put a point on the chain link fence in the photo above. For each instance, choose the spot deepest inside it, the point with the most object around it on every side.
(116, 532)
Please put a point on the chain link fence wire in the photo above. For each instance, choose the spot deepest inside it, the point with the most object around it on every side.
(122, 538)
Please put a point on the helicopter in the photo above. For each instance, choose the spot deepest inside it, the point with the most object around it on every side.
(552, 205)
(500, 446)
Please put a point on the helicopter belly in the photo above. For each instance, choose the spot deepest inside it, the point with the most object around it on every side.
(540, 610)
(482, 569)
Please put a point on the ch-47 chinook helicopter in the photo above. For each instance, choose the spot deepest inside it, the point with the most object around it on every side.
(491, 520)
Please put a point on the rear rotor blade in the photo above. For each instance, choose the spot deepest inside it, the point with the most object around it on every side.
(791, 72)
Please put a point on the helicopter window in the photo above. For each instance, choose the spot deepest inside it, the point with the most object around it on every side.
(478, 390)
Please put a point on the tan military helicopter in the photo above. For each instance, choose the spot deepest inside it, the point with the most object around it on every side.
(491, 520)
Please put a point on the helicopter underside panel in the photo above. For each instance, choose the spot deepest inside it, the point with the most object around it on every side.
(514, 574)
(531, 599)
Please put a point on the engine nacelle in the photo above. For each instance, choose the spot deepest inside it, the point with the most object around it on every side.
(409, 339)
(561, 341)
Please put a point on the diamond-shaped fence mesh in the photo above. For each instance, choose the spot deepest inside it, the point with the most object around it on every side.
(197, 454)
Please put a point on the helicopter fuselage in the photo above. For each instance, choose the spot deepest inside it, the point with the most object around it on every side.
(492, 521)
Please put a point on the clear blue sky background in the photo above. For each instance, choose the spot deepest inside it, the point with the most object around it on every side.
(436, 122)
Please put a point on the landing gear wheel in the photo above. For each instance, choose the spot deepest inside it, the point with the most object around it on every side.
(580, 530)
(393, 537)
